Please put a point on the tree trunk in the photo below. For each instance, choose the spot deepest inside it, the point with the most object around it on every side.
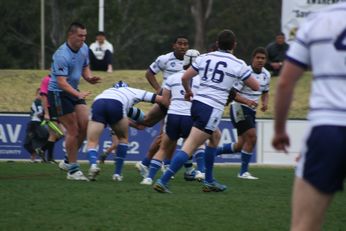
(201, 10)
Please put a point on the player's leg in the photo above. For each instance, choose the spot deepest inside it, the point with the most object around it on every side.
(209, 155)
(167, 148)
(94, 132)
(155, 115)
(121, 130)
(308, 206)
(111, 148)
(82, 114)
(249, 138)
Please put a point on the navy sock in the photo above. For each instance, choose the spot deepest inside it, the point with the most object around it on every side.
(199, 157)
(146, 161)
(189, 163)
(155, 166)
(120, 158)
(209, 157)
(179, 158)
(92, 156)
(245, 160)
(225, 149)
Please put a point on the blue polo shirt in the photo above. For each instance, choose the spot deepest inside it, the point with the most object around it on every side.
(70, 64)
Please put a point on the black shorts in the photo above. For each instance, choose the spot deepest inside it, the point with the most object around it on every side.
(62, 103)
(242, 118)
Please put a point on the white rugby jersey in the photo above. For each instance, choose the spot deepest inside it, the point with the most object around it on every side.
(178, 105)
(218, 72)
(128, 96)
(321, 44)
(168, 64)
(264, 80)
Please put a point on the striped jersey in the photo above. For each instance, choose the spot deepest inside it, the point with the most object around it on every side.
(168, 64)
(321, 44)
(264, 80)
(36, 110)
(128, 96)
(178, 105)
(218, 71)
(70, 64)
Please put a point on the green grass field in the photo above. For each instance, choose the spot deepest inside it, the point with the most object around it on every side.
(38, 197)
(17, 90)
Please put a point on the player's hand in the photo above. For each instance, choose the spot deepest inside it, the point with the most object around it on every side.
(94, 80)
(281, 141)
(84, 94)
(264, 108)
(46, 116)
(188, 95)
(252, 104)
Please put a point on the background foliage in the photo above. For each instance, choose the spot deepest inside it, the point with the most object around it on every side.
(139, 30)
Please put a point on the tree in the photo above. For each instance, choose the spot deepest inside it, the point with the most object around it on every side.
(201, 11)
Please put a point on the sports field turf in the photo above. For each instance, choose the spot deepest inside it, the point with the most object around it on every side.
(38, 197)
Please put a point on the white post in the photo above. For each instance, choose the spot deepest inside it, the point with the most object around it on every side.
(101, 15)
(42, 37)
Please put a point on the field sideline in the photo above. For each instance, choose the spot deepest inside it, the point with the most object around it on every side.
(38, 197)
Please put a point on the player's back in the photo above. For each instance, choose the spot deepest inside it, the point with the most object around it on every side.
(128, 96)
(178, 105)
(321, 44)
(218, 72)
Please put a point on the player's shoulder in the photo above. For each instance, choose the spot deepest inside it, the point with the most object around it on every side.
(266, 72)
(166, 57)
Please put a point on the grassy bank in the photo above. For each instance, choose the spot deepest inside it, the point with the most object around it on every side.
(18, 86)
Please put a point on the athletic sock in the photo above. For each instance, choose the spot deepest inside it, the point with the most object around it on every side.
(155, 166)
(179, 158)
(120, 158)
(146, 161)
(50, 149)
(188, 164)
(209, 157)
(199, 157)
(245, 160)
(225, 149)
(73, 167)
(92, 156)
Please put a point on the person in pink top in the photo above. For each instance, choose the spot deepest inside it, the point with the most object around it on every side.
(53, 136)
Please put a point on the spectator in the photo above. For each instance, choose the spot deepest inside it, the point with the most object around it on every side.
(276, 54)
(100, 54)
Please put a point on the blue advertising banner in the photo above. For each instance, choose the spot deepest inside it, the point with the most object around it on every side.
(12, 135)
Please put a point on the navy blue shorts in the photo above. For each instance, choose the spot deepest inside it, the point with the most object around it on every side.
(177, 126)
(323, 160)
(205, 117)
(107, 111)
(62, 103)
(242, 118)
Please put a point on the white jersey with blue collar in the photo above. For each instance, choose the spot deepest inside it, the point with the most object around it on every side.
(320, 43)
(218, 71)
(178, 105)
(128, 96)
(264, 80)
(168, 64)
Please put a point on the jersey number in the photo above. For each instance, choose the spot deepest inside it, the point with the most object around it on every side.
(340, 42)
(218, 74)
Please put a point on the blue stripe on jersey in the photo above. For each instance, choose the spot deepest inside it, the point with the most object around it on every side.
(318, 41)
(328, 109)
(175, 84)
(151, 70)
(245, 78)
(301, 42)
(226, 57)
(214, 87)
(294, 61)
(330, 76)
(195, 68)
(246, 74)
(209, 97)
(249, 94)
(230, 75)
